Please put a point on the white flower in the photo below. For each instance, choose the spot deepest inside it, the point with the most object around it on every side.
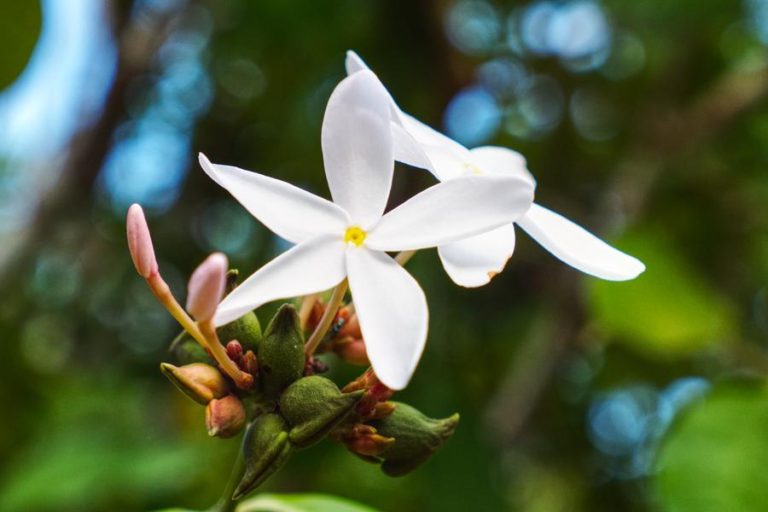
(348, 238)
(474, 261)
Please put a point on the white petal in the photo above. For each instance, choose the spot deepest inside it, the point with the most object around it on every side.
(357, 147)
(450, 211)
(577, 247)
(474, 261)
(447, 158)
(498, 161)
(392, 311)
(354, 63)
(309, 267)
(288, 211)
(409, 149)
(431, 137)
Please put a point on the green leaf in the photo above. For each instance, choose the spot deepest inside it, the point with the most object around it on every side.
(21, 28)
(301, 503)
(714, 458)
(668, 312)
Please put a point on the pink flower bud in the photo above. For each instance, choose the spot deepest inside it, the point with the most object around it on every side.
(140, 242)
(225, 417)
(206, 287)
(352, 351)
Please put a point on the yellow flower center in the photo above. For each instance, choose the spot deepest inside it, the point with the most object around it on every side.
(355, 235)
(473, 168)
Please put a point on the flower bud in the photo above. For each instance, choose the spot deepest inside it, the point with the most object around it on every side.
(351, 326)
(225, 417)
(186, 350)
(206, 287)
(365, 442)
(250, 363)
(417, 437)
(313, 406)
(281, 352)
(265, 450)
(199, 381)
(140, 242)
(352, 351)
(246, 330)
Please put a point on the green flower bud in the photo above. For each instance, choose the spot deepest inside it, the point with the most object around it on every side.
(246, 330)
(313, 406)
(225, 418)
(265, 450)
(281, 352)
(417, 437)
(186, 350)
(199, 381)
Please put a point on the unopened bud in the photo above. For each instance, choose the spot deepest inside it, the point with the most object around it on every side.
(313, 406)
(374, 395)
(250, 363)
(352, 351)
(234, 350)
(416, 436)
(351, 327)
(206, 287)
(199, 381)
(381, 410)
(225, 417)
(140, 242)
(265, 450)
(246, 330)
(233, 276)
(366, 441)
(281, 352)
(364, 381)
(186, 350)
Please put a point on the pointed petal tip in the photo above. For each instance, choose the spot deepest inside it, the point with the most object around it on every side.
(395, 381)
(634, 268)
(353, 63)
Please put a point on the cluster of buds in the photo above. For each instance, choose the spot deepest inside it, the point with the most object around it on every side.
(344, 338)
(393, 434)
(264, 383)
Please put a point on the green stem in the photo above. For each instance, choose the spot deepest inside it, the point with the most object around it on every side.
(226, 503)
(327, 319)
(333, 306)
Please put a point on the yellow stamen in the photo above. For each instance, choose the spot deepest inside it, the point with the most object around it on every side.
(355, 235)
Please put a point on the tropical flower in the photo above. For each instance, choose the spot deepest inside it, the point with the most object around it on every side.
(349, 237)
(475, 260)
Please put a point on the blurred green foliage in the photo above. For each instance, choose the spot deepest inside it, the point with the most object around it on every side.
(574, 394)
(18, 37)
(721, 441)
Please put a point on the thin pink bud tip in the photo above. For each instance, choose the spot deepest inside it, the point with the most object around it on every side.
(206, 287)
(140, 242)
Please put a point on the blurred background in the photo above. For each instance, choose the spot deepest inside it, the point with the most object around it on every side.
(645, 122)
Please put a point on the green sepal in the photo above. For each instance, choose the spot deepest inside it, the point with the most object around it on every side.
(281, 352)
(246, 330)
(313, 406)
(265, 450)
(417, 437)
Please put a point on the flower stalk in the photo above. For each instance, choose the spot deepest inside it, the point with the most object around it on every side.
(334, 303)
(143, 255)
(307, 304)
(227, 503)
